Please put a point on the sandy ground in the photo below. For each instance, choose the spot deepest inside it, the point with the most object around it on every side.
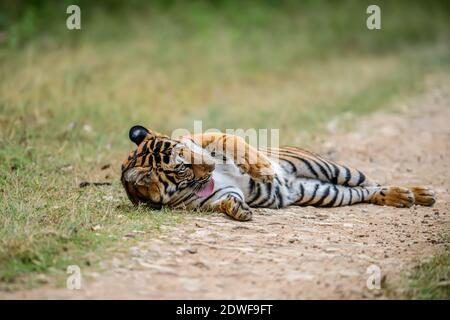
(301, 253)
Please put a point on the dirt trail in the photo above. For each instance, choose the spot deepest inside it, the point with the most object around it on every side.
(302, 252)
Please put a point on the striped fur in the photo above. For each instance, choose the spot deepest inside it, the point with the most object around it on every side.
(162, 172)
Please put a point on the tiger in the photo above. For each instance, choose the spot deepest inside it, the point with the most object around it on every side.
(202, 172)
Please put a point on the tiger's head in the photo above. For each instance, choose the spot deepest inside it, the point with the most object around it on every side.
(160, 167)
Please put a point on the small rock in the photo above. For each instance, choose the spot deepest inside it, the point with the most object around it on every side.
(96, 227)
(42, 279)
(378, 293)
(116, 263)
(71, 126)
(445, 283)
(321, 216)
(67, 168)
(94, 274)
(200, 264)
(87, 128)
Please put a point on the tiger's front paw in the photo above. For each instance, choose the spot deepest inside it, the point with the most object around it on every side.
(261, 171)
(236, 208)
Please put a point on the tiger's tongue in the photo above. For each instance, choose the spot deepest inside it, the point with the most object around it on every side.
(207, 189)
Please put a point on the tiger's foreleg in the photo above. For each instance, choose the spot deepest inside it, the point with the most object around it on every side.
(232, 206)
(247, 158)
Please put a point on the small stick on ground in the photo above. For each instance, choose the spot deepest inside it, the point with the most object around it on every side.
(85, 184)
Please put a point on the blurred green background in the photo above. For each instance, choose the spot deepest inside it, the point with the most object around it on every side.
(68, 97)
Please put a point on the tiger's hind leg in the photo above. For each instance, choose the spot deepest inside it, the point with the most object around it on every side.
(317, 193)
(343, 185)
(305, 164)
(404, 197)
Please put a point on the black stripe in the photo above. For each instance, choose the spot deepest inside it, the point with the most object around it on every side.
(157, 157)
(269, 195)
(251, 185)
(268, 205)
(166, 158)
(294, 169)
(326, 173)
(280, 203)
(257, 195)
(275, 195)
(336, 174)
(213, 194)
(302, 192)
(237, 195)
(322, 199)
(145, 159)
(322, 169)
(182, 199)
(157, 147)
(145, 148)
(362, 178)
(347, 175)
(152, 144)
(171, 179)
(357, 193)
(314, 194)
(194, 198)
(333, 201)
(364, 194)
(166, 146)
(342, 199)
(309, 166)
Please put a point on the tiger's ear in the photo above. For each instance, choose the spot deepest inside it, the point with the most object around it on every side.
(137, 134)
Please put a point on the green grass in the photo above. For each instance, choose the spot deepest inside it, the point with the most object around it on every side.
(68, 98)
(429, 280)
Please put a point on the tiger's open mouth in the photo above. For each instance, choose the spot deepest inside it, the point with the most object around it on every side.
(205, 189)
